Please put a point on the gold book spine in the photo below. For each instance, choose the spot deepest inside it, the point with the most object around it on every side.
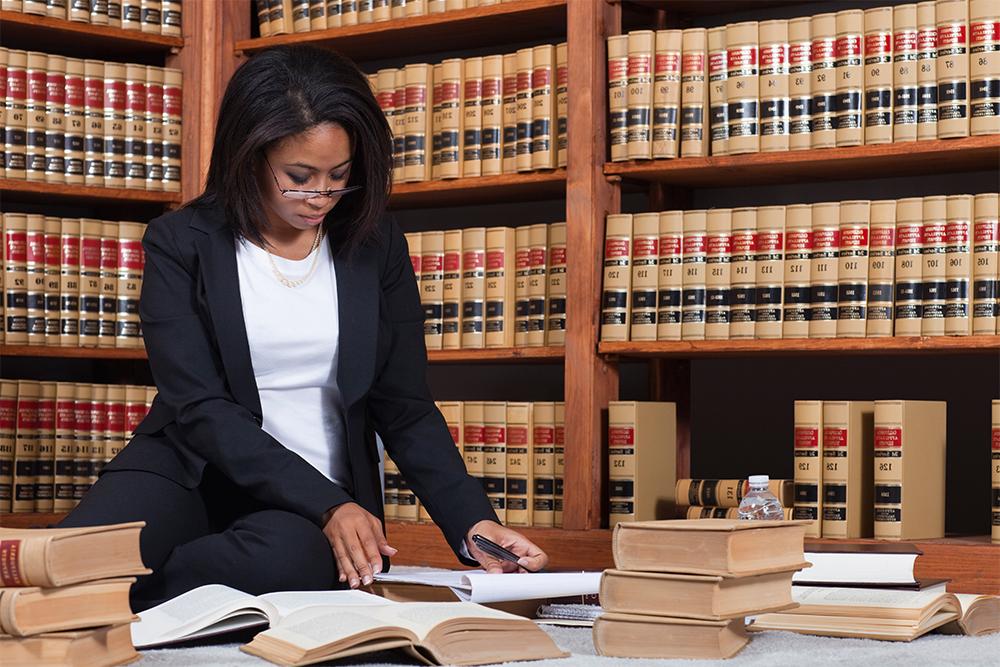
(398, 9)
(264, 17)
(65, 446)
(416, 162)
(300, 16)
(881, 268)
(499, 315)
(172, 83)
(560, 464)
(808, 465)
(317, 14)
(538, 254)
(522, 267)
(349, 15)
(562, 104)
(53, 228)
(93, 139)
(984, 67)
(555, 317)
(8, 441)
(618, 96)
(986, 243)
(823, 86)
(151, 11)
(797, 293)
(381, 11)
(694, 92)
(543, 464)
(878, 75)
(823, 269)
(135, 126)
(927, 89)
(15, 280)
(333, 12)
(83, 426)
(15, 117)
(114, 124)
(473, 287)
(770, 271)
(799, 83)
(415, 8)
(932, 254)
(743, 87)
(519, 484)
(58, 9)
(774, 86)
(45, 447)
(385, 93)
(847, 468)
(26, 446)
(615, 304)
(171, 22)
(451, 291)
(905, 67)
(522, 161)
(431, 286)
(509, 162)
(953, 68)
(852, 269)
(34, 102)
(850, 74)
(543, 107)
(472, 117)
(669, 286)
(958, 261)
(693, 284)
(33, 7)
(492, 116)
(641, 465)
(666, 117)
(99, 12)
(472, 437)
(90, 282)
(75, 122)
(645, 275)
(130, 264)
(398, 125)
(718, 111)
(154, 129)
(55, 119)
(34, 268)
(743, 273)
(718, 253)
(79, 10)
(909, 308)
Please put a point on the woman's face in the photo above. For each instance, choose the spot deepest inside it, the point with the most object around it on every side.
(317, 159)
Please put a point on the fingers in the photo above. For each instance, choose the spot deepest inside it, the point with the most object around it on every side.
(383, 544)
(358, 544)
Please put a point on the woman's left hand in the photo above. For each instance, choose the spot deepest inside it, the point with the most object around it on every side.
(532, 559)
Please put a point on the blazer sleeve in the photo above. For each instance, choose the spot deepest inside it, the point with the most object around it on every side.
(190, 379)
(404, 415)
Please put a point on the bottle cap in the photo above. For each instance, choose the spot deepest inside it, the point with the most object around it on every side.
(757, 480)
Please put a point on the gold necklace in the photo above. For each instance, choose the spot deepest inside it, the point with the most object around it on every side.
(288, 282)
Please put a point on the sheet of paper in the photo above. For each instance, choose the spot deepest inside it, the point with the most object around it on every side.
(477, 586)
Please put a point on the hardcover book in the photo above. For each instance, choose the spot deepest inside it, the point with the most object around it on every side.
(743, 87)
(799, 83)
(881, 268)
(642, 460)
(849, 72)
(774, 86)
(670, 281)
(848, 432)
(984, 68)
(666, 116)
(904, 72)
(717, 273)
(952, 17)
(878, 73)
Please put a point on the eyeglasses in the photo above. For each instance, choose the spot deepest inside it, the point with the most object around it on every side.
(307, 194)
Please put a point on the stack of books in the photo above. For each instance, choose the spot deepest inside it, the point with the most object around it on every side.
(681, 589)
(64, 594)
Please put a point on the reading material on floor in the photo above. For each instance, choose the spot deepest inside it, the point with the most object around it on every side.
(478, 586)
(110, 645)
(31, 610)
(638, 636)
(849, 564)
(460, 633)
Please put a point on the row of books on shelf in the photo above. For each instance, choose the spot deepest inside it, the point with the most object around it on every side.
(90, 122)
(281, 17)
(492, 287)
(158, 17)
(848, 78)
(481, 116)
(514, 448)
(720, 498)
(56, 436)
(71, 282)
(908, 267)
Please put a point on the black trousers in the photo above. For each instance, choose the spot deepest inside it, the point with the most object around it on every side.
(213, 534)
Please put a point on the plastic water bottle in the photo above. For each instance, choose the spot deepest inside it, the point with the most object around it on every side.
(759, 504)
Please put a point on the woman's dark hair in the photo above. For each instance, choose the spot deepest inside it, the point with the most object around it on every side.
(279, 93)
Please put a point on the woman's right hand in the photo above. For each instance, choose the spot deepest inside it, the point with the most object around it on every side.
(358, 543)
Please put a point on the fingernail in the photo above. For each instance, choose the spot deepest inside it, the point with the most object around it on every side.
(367, 579)
(394, 551)
(376, 567)
(355, 583)
(343, 578)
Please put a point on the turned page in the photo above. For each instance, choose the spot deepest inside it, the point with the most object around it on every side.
(872, 602)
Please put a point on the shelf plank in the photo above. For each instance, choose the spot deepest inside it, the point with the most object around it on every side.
(40, 192)
(460, 29)
(482, 190)
(51, 351)
(803, 346)
(52, 35)
(880, 161)
(498, 355)
(30, 519)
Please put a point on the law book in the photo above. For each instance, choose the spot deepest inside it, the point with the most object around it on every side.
(984, 67)
(509, 162)
(666, 116)
(107, 645)
(473, 287)
(743, 87)
(407, 503)
(743, 273)
(694, 140)
(693, 281)
(172, 128)
(770, 267)
(55, 119)
(34, 102)
(927, 88)
(114, 431)
(984, 247)
(522, 267)
(562, 104)
(538, 236)
(317, 14)
(399, 125)
(910, 443)
(727, 493)
(958, 261)
(154, 164)
(796, 290)
(711, 512)
(16, 115)
(390, 490)
(499, 287)
(349, 14)
(522, 152)
(108, 298)
(264, 17)
(151, 16)
(861, 565)
(35, 279)
(852, 269)
(717, 547)
(847, 468)
(75, 120)
(559, 468)
(823, 269)
(808, 459)
(64, 455)
(431, 285)
(881, 267)
(53, 229)
(29, 611)
(451, 291)
(130, 265)
(98, 430)
(114, 124)
(849, 72)
(615, 299)
(952, 18)
(718, 105)
(774, 86)
(908, 309)
(905, 67)
(83, 436)
(15, 282)
(8, 441)
(170, 17)
(642, 446)
(799, 83)
(823, 85)
(638, 94)
(25, 446)
(543, 463)
(495, 456)
(932, 254)
(135, 408)
(519, 480)
(670, 276)
(417, 119)
(555, 322)
(717, 273)
(643, 636)
(995, 471)
(492, 115)
(300, 16)
(645, 275)
(878, 72)
(45, 447)
(135, 126)
(473, 420)
(543, 107)
(472, 117)
(90, 282)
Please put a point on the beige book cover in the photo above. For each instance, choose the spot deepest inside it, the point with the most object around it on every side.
(317, 14)
(852, 271)
(952, 18)
(808, 430)
(522, 267)
(555, 322)
(75, 120)
(743, 273)
(509, 162)
(130, 266)
(642, 451)
(65, 446)
(995, 470)
(848, 431)
(172, 128)
(525, 66)
(850, 75)
(417, 118)
(727, 493)
(823, 85)
(300, 16)
(666, 116)
(927, 53)
(560, 464)
(499, 278)
(34, 102)
(881, 267)
(645, 275)
(83, 422)
(349, 14)
(671, 273)
(823, 269)
(958, 259)
(264, 17)
(797, 295)
(45, 447)
(98, 430)
(743, 87)
(390, 493)
(717, 273)
(8, 441)
(55, 119)
(908, 309)
(520, 482)
(878, 75)
(770, 269)
(114, 430)
(615, 302)
(693, 283)
(90, 281)
(15, 282)
(933, 255)
(984, 67)
(69, 283)
(108, 299)
(562, 104)
(904, 72)
(694, 139)
(385, 93)
(114, 124)
(473, 287)
(436, 96)
(774, 86)
(492, 115)
(154, 128)
(16, 117)
(135, 126)
(93, 137)
(26, 446)
(495, 456)
(399, 126)
(432, 286)
(451, 291)
(710, 512)
(472, 437)
(472, 117)
(718, 105)
(986, 242)
(543, 107)
(34, 288)
(910, 452)
(538, 280)
(543, 463)
(799, 82)
(53, 230)
(639, 95)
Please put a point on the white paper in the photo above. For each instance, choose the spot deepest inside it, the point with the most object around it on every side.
(478, 586)
(287, 602)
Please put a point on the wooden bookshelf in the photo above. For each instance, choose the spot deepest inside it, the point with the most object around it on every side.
(860, 162)
(30, 519)
(521, 21)
(498, 355)
(482, 190)
(47, 193)
(803, 346)
(44, 33)
(53, 352)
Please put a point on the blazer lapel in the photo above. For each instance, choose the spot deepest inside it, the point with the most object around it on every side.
(357, 303)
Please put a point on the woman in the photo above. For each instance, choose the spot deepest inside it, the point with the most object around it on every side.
(284, 328)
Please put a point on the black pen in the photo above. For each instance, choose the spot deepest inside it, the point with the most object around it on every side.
(491, 548)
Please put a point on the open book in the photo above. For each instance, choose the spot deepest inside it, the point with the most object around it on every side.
(215, 609)
(459, 633)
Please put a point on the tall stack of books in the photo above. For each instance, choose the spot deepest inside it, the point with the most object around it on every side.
(681, 589)
(64, 594)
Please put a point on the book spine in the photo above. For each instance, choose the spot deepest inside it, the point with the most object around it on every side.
(473, 287)
(451, 291)
(774, 86)
(151, 12)
(15, 281)
(639, 95)
(881, 266)
(743, 87)
(953, 68)
(718, 105)
(75, 121)
(399, 126)
(909, 290)
(845, 441)
(994, 474)
(621, 462)
(694, 92)
(135, 126)
(114, 125)
(666, 115)
(55, 119)
(65, 447)
(135, 409)
(45, 447)
(431, 286)
(985, 246)
(416, 163)
(35, 279)
(927, 90)
(984, 67)
(543, 464)
(770, 270)
(958, 261)
(645, 275)
(437, 89)
(381, 11)
(264, 17)
(543, 107)
(693, 283)
(495, 456)
(170, 18)
(562, 104)
(407, 508)
(83, 422)
(799, 83)
(25, 447)
(932, 254)
(472, 437)
(114, 431)
(385, 93)
(16, 118)
(850, 75)
(99, 12)
(525, 66)
(808, 465)
(520, 485)
(823, 265)
(34, 102)
(615, 304)
(472, 117)
(888, 469)
(878, 76)
(317, 14)
(154, 129)
(798, 247)
(130, 264)
(414, 246)
(696, 512)
(99, 426)
(90, 282)
(510, 113)
(904, 73)
(671, 272)
(415, 8)
(717, 274)
(109, 285)
(559, 466)
(53, 226)
(8, 441)
(397, 9)
(823, 87)
(537, 283)
(852, 270)
(743, 273)
(492, 116)
(555, 324)
(522, 267)
(500, 257)
(172, 128)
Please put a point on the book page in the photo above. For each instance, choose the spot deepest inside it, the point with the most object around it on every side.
(314, 627)
(967, 600)
(422, 617)
(864, 597)
(287, 602)
(185, 615)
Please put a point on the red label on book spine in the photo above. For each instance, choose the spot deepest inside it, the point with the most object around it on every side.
(10, 563)
(806, 437)
(619, 436)
(888, 437)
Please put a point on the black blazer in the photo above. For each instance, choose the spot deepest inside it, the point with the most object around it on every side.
(207, 409)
